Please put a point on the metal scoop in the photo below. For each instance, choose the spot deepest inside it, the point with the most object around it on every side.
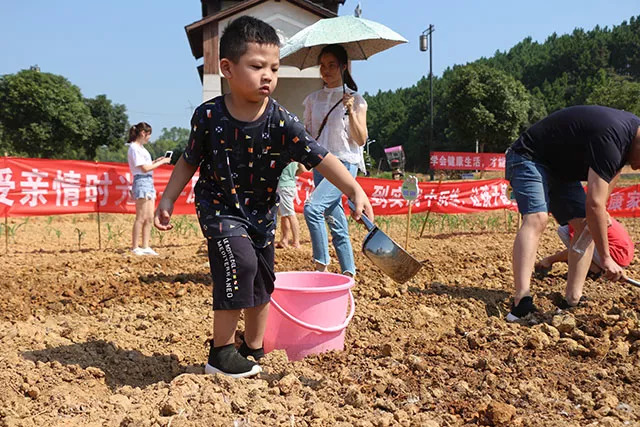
(386, 254)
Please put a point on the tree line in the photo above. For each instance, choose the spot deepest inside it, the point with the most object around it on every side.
(44, 115)
(490, 100)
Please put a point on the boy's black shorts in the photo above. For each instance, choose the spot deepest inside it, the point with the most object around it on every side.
(240, 278)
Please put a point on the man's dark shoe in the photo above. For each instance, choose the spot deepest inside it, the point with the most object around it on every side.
(524, 307)
(245, 351)
(227, 361)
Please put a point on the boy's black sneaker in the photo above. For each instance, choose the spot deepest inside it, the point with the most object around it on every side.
(524, 307)
(245, 351)
(227, 361)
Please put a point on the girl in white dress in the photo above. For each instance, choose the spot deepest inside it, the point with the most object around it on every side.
(337, 117)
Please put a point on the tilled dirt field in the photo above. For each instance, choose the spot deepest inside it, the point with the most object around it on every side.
(99, 337)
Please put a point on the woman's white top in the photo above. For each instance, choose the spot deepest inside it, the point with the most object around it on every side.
(336, 135)
(138, 156)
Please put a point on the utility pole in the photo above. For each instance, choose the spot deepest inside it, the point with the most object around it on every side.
(424, 46)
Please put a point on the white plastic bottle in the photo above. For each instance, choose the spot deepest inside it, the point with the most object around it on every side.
(583, 241)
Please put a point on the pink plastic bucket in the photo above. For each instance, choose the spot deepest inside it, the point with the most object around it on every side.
(307, 313)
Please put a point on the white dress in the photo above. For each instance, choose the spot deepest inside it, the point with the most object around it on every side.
(336, 135)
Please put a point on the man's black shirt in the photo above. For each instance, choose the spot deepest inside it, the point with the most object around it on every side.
(574, 139)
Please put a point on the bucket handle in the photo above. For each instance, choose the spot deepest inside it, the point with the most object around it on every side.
(316, 328)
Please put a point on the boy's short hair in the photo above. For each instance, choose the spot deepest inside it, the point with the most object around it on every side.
(243, 30)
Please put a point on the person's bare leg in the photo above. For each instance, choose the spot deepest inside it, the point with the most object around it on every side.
(561, 256)
(255, 321)
(147, 222)
(295, 231)
(225, 323)
(578, 266)
(137, 223)
(286, 232)
(525, 247)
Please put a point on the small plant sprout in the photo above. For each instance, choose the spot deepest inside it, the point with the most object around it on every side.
(58, 234)
(80, 234)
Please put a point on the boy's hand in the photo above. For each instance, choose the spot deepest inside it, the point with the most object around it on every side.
(162, 217)
(363, 205)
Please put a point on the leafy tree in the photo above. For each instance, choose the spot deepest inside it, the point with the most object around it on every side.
(43, 115)
(174, 139)
(486, 105)
(537, 109)
(112, 154)
(624, 45)
(617, 92)
(4, 144)
(111, 124)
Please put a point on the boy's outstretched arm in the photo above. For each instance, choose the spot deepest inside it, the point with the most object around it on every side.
(181, 174)
(333, 170)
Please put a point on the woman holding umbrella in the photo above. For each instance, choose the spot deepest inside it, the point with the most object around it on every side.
(337, 117)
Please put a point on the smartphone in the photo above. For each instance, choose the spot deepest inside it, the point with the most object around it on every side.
(168, 154)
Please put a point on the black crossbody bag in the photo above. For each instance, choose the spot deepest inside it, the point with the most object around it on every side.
(324, 121)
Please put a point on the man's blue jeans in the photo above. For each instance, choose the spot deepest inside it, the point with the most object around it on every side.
(325, 204)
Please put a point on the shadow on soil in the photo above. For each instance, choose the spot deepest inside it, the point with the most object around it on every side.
(441, 235)
(198, 278)
(493, 299)
(120, 366)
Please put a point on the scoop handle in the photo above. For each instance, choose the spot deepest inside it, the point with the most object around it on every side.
(632, 282)
(367, 222)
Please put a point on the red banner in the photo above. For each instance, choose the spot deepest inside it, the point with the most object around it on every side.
(444, 197)
(52, 187)
(467, 161)
(625, 202)
(31, 187)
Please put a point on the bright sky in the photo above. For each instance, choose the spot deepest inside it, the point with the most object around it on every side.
(137, 53)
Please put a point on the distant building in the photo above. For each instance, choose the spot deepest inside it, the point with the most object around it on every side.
(286, 16)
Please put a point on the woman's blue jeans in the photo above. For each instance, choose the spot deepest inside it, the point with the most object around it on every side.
(325, 204)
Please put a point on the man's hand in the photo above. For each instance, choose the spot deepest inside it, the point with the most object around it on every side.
(162, 217)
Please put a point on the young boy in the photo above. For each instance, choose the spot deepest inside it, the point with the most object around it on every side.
(241, 141)
(290, 233)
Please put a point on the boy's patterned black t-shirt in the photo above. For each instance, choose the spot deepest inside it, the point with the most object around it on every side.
(240, 164)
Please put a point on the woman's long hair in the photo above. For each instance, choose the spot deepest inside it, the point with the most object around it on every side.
(341, 55)
(136, 130)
